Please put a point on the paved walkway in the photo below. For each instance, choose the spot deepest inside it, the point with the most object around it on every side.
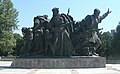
(110, 69)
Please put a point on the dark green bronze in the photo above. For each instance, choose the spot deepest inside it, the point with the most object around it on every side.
(62, 36)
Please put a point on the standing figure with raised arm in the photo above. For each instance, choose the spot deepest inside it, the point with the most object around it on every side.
(91, 25)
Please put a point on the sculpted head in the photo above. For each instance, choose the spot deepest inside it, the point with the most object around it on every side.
(96, 12)
(55, 11)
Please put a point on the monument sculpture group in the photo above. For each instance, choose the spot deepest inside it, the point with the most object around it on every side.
(62, 36)
(62, 42)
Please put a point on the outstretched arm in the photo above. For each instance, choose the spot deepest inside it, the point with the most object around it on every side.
(105, 14)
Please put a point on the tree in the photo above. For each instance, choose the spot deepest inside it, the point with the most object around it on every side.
(116, 41)
(19, 44)
(17, 36)
(8, 16)
(8, 23)
(106, 39)
(7, 42)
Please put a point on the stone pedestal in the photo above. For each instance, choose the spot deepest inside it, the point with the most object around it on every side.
(53, 63)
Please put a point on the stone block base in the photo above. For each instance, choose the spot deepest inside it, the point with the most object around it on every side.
(54, 63)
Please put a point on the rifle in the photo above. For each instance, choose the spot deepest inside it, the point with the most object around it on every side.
(92, 30)
(97, 29)
(68, 11)
(88, 32)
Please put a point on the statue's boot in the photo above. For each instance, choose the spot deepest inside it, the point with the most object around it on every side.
(94, 52)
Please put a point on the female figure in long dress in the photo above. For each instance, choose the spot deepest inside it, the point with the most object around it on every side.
(62, 45)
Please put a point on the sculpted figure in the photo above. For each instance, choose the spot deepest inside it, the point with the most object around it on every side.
(85, 39)
(49, 50)
(62, 36)
(62, 44)
(28, 37)
(53, 23)
(48, 39)
(91, 26)
(38, 34)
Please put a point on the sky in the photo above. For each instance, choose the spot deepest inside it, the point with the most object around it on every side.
(28, 9)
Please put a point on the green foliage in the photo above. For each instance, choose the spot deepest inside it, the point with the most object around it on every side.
(111, 43)
(8, 16)
(19, 44)
(17, 36)
(106, 39)
(8, 23)
(7, 42)
(116, 41)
